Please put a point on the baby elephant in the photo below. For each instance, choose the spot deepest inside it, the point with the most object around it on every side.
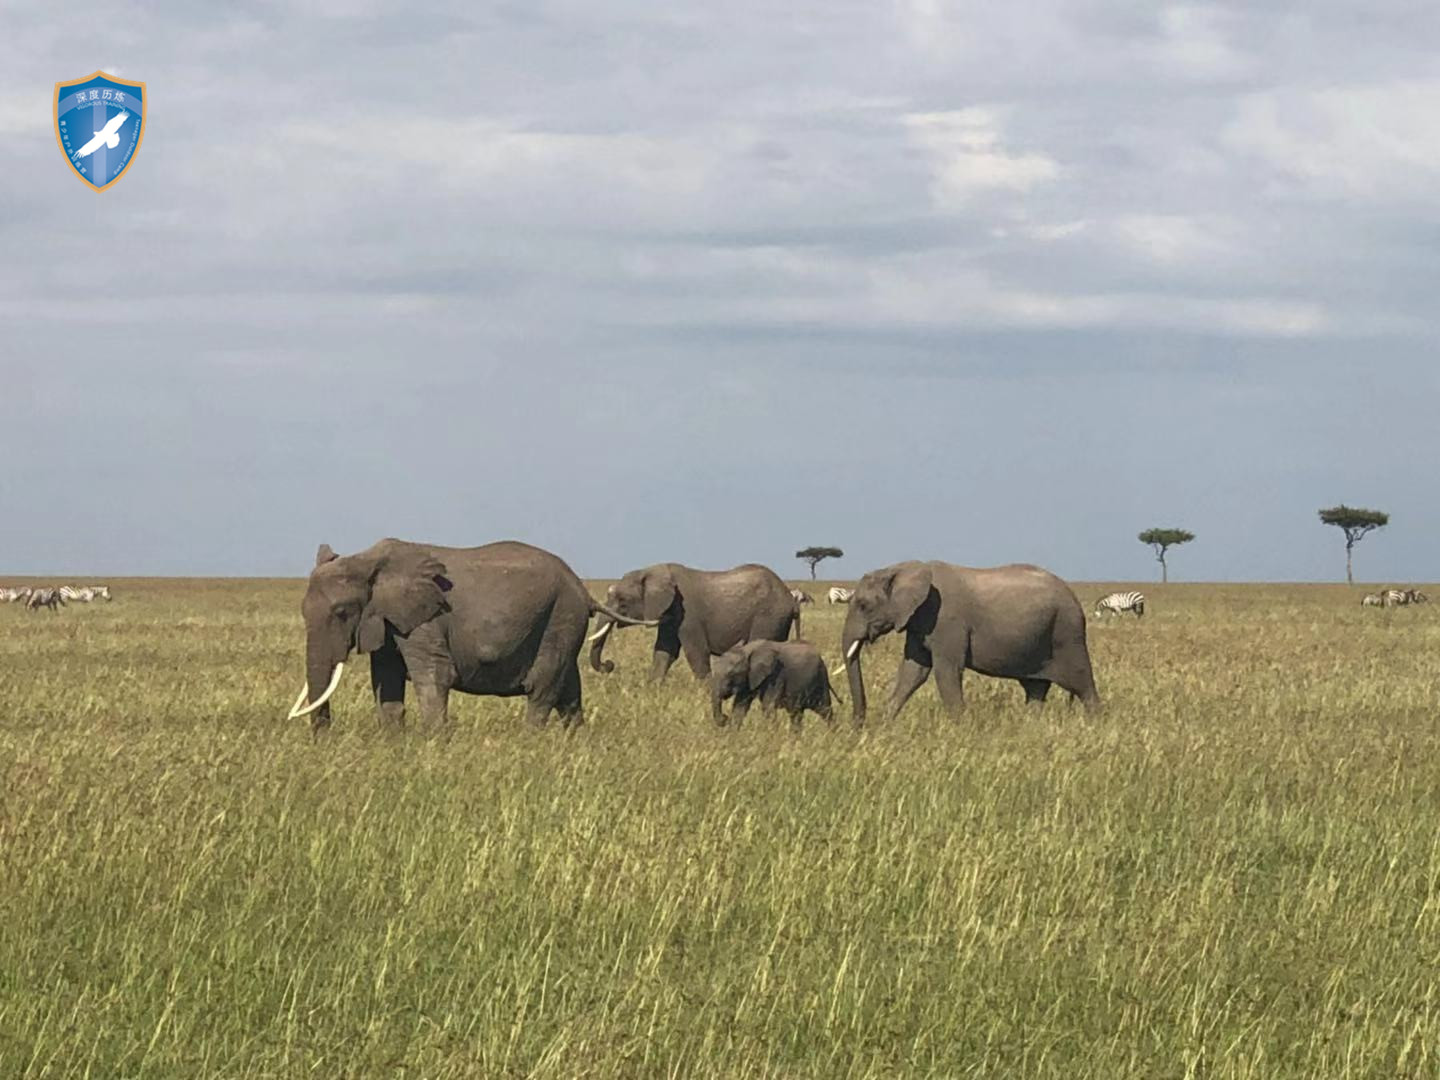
(782, 674)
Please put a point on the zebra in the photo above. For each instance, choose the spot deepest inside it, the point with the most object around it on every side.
(1119, 602)
(1403, 597)
(9, 596)
(801, 596)
(1373, 599)
(837, 595)
(50, 598)
(86, 594)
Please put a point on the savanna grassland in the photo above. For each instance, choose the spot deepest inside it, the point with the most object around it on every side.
(1234, 871)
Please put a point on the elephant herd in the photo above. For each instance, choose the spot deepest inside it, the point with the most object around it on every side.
(510, 620)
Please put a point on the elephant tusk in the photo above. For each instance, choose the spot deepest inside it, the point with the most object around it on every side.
(839, 670)
(601, 632)
(334, 682)
(304, 691)
(854, 648)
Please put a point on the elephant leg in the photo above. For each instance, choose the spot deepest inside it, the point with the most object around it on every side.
(667, 651)
(910, 676)
(795, 720)
(387, 682)
(826, 712)
(1035, 691)
(569, 706)
(1081, 684)
(434, 699)
(740, 711)
(697, 652)
(949, 680)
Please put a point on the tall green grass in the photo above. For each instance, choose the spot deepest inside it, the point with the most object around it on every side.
(1234, 871)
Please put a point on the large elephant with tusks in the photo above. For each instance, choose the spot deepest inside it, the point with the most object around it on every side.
(505, 619)
(702, 613)
(1015, 622)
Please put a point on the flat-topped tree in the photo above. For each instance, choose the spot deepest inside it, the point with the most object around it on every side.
(1354, 522)
(815, 555)
(1160, 540)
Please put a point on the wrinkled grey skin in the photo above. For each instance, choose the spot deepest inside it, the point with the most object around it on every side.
(701, 612)
(505, 619)
(1016, 622)
(787, 675)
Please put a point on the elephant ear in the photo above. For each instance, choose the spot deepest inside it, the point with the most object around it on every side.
(909, 588)
(325, 553)
(406, 589)
(764, 663)
(660, 593)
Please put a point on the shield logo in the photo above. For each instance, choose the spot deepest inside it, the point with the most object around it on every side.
(99, 124)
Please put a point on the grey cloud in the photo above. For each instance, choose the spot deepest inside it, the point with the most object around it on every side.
(708, 282)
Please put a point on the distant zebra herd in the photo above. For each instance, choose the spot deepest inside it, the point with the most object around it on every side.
(836, 595)
(54, 597)
(1395, 598)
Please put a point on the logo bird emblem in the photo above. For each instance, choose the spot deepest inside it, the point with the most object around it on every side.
(106, 136)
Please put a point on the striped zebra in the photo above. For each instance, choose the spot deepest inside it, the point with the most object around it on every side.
(50, 598)
(1119, 602)
(1373, 599)
(801, 596)
(837, 595)
(1403, 597)
(9, 596)
(85, 594)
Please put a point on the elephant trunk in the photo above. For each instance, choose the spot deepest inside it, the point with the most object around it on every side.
(322, 675)
(853, 641)
(604, 627)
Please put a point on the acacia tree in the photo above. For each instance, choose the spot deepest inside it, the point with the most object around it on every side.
(1354, 522)
(1160, 539)
(814, 555)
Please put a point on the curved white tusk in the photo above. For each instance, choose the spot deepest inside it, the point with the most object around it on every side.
(334, 682)
(839, 670)
(294, 709)
(601, 632)
(854, 648)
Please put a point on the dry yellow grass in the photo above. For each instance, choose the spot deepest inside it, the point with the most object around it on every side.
(1234, 871)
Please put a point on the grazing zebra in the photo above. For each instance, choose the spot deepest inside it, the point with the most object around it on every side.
(1403, 597)
(9, 596)
(801, 596)
(1119, 602)
(50, 598)
(1373, 599)
(837, 595)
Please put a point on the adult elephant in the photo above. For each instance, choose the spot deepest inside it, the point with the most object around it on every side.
(1016, 622)
(702, 613)
(505, 619)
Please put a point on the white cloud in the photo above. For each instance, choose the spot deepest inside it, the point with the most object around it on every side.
(1194, 44)
(1373, 142)
(1170, 239)
(968, 157)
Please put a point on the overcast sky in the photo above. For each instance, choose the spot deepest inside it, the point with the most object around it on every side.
(710, 282)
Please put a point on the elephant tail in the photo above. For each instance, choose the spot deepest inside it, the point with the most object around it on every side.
(795, 622)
